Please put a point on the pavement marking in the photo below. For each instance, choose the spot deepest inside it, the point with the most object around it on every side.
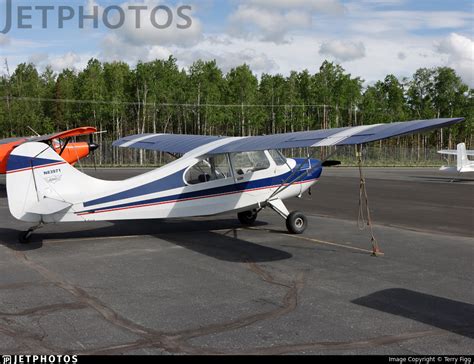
(329, 243)
(53, 241)
(312, 240)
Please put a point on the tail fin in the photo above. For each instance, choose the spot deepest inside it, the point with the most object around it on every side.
(41, 184)
(463, 160)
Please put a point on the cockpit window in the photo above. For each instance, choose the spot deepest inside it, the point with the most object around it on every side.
(279, 159)
(210, 169)
(248, 162)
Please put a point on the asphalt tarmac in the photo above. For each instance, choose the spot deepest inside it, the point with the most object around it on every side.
(209, 286)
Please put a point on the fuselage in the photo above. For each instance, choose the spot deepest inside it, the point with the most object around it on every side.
(194, 185)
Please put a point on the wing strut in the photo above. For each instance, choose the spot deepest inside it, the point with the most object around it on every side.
(288, 182)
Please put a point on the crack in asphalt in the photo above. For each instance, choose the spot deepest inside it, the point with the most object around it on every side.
(25, 339)
(170, 342)
(178, 342)
(42, 310)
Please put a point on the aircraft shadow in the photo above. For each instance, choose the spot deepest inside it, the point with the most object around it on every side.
(446, 314)
(195, 235)
(226, 247)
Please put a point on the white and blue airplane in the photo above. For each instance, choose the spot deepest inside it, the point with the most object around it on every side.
(214, 175)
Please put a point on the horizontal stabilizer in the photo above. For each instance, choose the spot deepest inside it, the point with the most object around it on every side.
(48, 206)
(470, 153)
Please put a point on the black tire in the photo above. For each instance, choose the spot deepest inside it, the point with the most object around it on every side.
(247, 217)
(296, 223)
(24, 237)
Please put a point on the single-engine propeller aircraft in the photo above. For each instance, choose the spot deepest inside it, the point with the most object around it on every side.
(214, 175)
(60, 142)
(464, 165)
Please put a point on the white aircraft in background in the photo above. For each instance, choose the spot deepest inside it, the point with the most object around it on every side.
(464, 164)
(214, 175)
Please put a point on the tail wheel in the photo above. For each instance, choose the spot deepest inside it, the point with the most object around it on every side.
(296, 223)
(24, 236)
(247, 217)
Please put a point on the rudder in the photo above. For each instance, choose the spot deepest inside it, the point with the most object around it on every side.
(41, 184)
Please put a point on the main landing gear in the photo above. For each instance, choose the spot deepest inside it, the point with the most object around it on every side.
(296, 222)
(24, 237)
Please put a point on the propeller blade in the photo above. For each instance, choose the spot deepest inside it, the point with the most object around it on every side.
(331, 163)
(93, 147)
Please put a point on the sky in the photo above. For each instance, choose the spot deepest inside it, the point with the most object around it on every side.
(369, 38)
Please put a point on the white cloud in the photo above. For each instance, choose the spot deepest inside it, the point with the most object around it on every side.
(228, 53)
(401, 56)
(343, 50)
(38, 58)
(367, 21)
(325, 6)
(4, 40)
(383, 2)
(68, 60)
(157, 52)
(59, 62)
(273, 20)
(460, 51)
(148, 34)
(226, 60)
(115, 48)
(273, 25)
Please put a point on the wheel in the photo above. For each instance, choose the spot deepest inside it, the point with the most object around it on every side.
(247, 217)
(24, 237)
(296, 223)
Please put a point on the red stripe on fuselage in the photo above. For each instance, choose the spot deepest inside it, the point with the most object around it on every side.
(37, 167)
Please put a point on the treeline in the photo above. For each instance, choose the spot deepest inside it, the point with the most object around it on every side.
(160, 97)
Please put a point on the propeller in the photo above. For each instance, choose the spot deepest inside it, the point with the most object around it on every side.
(92, 145)
(92, 148)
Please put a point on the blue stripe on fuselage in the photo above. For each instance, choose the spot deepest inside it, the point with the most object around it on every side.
(168, 183)
(232, 188)
(17, 162)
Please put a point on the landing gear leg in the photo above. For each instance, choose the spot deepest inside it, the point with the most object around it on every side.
(24, 237)
(296, 222)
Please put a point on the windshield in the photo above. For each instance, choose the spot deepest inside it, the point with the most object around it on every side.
(279, 159)
(248, 162)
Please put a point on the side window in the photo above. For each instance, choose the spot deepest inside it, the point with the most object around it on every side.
(209, 169)
(279, 159)
(248, 162)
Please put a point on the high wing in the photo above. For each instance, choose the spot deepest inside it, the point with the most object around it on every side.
(170, 143)
(85, 130)
(182, 144)
(11, 140)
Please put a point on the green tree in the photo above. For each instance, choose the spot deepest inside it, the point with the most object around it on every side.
(242, 88)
